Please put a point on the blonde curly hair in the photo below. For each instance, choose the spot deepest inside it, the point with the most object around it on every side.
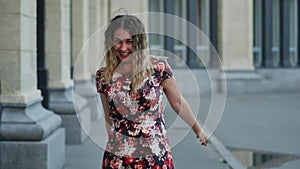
(142, 66)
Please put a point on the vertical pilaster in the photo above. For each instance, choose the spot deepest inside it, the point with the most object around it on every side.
(83, 86)
(95, 47)
(59, 63)
(94, 25)
(80, 30)
(235, 17)
(132, 7)
(30, 134)
(235, 41)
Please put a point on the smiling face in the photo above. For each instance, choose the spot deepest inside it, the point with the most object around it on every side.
(123, 45)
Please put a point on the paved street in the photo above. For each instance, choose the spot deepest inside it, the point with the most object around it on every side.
(187, 154)
(266, 123)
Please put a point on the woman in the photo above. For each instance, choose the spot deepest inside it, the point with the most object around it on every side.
(131, 88)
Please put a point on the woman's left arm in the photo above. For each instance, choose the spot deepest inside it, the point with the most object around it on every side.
(182, 108)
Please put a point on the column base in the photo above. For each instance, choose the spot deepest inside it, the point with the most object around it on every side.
(87, 90)
(239, 81)
(75, 117)
(46, 154)
(77, 127)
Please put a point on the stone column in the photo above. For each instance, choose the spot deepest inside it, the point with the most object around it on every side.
(57, 30)
(235, 30)
(30, 134)
(80, 34)
(83, 85)
(132, 7)
(235, 34)
(95, 48)
(104, 12)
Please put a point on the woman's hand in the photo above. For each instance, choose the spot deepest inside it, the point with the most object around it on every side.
(202, 138)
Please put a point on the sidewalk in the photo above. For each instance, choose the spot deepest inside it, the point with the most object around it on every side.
(187, 154)
(267, 122)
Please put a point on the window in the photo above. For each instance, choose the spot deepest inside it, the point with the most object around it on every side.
(278, 57)
(156, 41)
(293, 52)
(275, 34)
(181, 32)
(203, 45)
(257, 34)
(183, 10)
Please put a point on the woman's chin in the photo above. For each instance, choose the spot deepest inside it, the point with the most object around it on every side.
(125, 59)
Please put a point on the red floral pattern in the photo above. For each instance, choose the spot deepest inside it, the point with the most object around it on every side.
(138, 138)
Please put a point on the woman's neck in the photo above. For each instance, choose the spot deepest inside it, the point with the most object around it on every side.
(124, 68)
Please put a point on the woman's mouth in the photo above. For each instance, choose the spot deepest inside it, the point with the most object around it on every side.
(124, 54)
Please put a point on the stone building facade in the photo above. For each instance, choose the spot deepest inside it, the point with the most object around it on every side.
(43, 68)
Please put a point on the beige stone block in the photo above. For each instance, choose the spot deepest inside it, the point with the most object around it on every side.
(53, 6)
(53, 62)
(66, 67)
(85, 21)
(18, 76)
(28, 33)
(65, 46)
(10, 71)
(93, 19)
(81, 71)
(59, 70)
(53, 39)
(104, 12)
(10, 32)
(54, 19)
(66, 3)
(28, 8)
(132, 7)
(65, 17)
(77, 42)
(77, 29)
(28, 71)
(93, 4)
(236, 34)
(19, 97)
(95, 49)
(67, 83)
(98, 13)
(57, 26)
(135, 7)
(10, 6)
(80, 36)
(77, 6)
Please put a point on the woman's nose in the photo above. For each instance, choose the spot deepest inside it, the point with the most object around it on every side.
(124, 46)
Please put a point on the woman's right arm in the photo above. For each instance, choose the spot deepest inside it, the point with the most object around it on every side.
(105, 106)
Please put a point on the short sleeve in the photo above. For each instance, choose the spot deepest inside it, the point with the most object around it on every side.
(100, 82)
(164, 69)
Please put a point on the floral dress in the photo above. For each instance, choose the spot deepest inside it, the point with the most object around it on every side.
(138, 137)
